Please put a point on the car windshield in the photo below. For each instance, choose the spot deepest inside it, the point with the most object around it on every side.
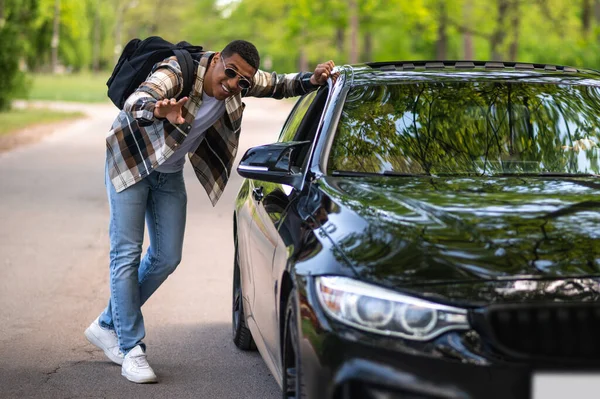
(472, 128)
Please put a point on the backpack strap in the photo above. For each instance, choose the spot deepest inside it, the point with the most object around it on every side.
(186, 62)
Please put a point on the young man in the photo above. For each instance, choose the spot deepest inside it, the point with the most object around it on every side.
(146, 151)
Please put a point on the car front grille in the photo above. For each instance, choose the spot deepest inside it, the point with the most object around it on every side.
(555, 331)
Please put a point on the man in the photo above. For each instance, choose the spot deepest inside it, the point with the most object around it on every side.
(146, 150)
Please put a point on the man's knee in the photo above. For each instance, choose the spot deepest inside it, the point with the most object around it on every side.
(165, 263)
(171, 263)
(125, 256)
(124, 269)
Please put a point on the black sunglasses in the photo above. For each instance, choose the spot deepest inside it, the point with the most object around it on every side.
(231, 73)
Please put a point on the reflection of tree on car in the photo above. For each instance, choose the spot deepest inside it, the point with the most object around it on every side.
(488, 128)
(305, 214)
(275, 204)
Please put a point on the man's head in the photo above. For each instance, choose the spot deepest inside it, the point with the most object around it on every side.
(245, 49)
(231, 70)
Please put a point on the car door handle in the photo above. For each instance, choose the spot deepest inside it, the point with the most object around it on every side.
(258, 194)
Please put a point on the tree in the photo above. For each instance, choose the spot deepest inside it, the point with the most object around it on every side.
(55, 36)
(467, 34)
(354, 27)
(61, 37)
(16, 17)
(297, 34)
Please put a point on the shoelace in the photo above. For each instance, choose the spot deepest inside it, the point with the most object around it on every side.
(114, 334)
(140, 361)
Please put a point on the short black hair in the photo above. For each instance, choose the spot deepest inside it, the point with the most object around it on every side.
(245, 49)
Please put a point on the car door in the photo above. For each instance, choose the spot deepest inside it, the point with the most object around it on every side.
(269, 201)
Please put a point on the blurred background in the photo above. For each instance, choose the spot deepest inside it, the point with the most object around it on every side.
(66, 49)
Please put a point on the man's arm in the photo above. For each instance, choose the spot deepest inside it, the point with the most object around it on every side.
(267, 84)
(166, 81)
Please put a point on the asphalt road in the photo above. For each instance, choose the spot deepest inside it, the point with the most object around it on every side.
(54, 276)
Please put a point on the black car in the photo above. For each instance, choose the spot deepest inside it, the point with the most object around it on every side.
(427, 230)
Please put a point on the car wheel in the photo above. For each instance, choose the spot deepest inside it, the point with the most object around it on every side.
(242, 337)
(292, 375)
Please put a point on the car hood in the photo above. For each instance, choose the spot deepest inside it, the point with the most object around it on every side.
(399, 231)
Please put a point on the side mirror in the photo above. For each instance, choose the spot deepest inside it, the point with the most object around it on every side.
(274, 163)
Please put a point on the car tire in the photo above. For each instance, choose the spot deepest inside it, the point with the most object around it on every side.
(293, 386)
(242, 337)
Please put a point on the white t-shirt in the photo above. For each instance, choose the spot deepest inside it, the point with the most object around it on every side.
(209, 112)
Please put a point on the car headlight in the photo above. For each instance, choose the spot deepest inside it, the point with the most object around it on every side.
(375, 309)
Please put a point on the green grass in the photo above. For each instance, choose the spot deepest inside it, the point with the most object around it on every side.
(21, 118)
(82, 87)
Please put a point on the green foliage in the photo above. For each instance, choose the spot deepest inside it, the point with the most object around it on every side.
(13, 78)
(294, 34)
(74, 34)
(15, 24)
(287, 30)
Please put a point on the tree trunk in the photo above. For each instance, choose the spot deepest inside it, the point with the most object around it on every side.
(597, 16)
(118, 39)
(354, 26)
(157, 17)
(441, 45)
(303, 58)
(368, 47)
(55, 37)
(97, 39)
(515, 25)
(497, 38)
(340, 41)
(467, 35)
(2, 20)
(586, 17)
(122, 6)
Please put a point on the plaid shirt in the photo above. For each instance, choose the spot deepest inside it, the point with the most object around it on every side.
(138, 142)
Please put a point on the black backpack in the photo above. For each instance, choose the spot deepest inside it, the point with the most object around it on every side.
(138, 58)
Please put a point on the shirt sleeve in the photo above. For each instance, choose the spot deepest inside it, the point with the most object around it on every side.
(165, 81)
(279, 86)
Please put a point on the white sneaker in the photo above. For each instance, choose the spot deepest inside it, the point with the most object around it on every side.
(106, 340)
(136, 368)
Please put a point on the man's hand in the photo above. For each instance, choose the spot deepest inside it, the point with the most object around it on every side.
(170, 109)
(322, 73)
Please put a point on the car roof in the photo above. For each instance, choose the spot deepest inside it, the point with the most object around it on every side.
(433, 70)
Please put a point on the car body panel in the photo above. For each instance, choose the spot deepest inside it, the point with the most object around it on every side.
(509, 227)
(472, 242)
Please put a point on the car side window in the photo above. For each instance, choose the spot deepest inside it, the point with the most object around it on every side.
(295, 118)
(308, 127)
(307, 130)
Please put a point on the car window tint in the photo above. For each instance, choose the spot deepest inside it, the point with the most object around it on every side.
(307, 129)
(295, 118)
(475, 128)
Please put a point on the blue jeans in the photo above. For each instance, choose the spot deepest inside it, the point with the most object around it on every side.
(161, 200)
